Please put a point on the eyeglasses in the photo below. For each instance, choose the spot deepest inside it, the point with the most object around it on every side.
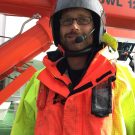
(80, 21)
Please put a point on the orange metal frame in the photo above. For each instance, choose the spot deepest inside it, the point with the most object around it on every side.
(122, 33)
(13, 54)
(21, 49)
(27, 7)
(120, 13)
(25, 46)
(16, 84)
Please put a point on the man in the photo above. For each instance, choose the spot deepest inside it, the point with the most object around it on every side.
(77, 94)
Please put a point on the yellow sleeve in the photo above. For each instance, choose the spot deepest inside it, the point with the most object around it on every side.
(124, 101)
(26, 113)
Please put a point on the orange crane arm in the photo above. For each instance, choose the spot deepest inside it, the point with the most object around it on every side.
(25, 46)
(120, 13)
(21, 49)
(27, 7)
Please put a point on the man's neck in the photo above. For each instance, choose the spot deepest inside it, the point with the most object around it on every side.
(77, 63)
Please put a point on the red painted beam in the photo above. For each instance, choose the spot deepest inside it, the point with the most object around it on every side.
(16, 84)
(25, 46)
(120, 13)
(123, 33)
(27, 7)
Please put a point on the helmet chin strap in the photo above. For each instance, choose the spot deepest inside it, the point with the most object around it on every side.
(83, 52)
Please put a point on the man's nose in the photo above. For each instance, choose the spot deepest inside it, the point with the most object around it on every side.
(75, 24)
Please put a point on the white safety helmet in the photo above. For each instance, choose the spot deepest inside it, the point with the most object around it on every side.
(96, 10)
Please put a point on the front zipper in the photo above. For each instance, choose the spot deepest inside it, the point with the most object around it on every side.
(69, 86)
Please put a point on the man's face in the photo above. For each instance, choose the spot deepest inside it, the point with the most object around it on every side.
(73, 23)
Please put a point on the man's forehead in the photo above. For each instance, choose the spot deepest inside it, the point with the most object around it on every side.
(76, 10)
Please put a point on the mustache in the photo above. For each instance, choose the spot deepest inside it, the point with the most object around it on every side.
(72, 33)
